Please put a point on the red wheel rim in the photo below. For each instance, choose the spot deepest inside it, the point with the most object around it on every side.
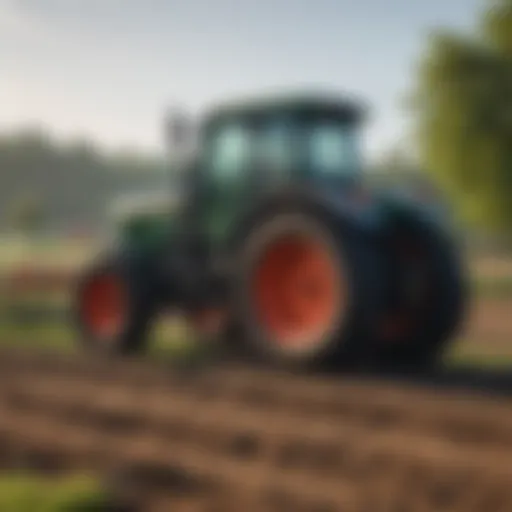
(104, 305)
(297, 291)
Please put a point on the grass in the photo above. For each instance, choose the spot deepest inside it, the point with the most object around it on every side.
(28, 493)
(492, 278)
(470, 352)
(49, 336)
(44, 253)
(170, 338)
(171, 341)
(493, 287)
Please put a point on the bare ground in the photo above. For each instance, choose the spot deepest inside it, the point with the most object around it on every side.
(230, 435)
(232, 438)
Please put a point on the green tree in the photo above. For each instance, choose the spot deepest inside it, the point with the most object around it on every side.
(76, 178)
(463, 108)
(27, 214)
(496, 26)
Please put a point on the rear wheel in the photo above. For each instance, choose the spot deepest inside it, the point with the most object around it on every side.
(307, 291)
(113, 308)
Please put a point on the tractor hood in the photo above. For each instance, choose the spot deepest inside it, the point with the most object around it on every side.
(145, 204)
(144, 220)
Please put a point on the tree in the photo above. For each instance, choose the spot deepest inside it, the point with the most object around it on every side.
(496, 26)
(463, 108)
(27, 214)
(76, 178)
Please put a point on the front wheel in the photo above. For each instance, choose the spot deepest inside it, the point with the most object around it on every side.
(113, 307)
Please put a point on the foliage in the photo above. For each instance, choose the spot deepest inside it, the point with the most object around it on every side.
(75, 179)
(463, 104)
(22, 493)
(395, 167)
(26, 213)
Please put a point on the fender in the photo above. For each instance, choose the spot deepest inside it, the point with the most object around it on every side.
(411, 211)
(352, 212)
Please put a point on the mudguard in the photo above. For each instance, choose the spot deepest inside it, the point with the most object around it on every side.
(393, 205)
(355, 210)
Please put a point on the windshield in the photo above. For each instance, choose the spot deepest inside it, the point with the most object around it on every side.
(329, 149)
(281, 149)
(276, 149)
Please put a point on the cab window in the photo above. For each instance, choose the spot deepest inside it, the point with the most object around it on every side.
(333, 150)
(276, 148)
(230, 153)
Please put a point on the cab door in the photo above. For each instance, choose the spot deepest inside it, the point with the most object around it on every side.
(226, 167)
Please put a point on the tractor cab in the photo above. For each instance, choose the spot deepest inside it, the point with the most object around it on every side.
(250, 149)
(305, 138)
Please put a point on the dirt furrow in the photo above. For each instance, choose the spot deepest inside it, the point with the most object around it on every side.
(462, 418)
(97, 448)
(281, 442)
(86, 442)
(258, 433)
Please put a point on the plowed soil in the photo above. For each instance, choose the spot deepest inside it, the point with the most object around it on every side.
(230, 438)
(233, 438)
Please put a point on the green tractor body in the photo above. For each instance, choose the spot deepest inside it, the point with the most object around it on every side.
(272, 231)
(142, 222)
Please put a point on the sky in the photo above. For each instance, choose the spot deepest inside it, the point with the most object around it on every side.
(107, 69)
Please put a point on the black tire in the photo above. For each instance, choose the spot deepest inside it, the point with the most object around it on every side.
(439, 311)
(140, 307)
(356, 268)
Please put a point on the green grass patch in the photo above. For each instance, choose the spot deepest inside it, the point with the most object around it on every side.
(464, 352)
(169, 339)
(49, 252)
(49, 335)
(493, 287)
(485, 361)
(28, 493)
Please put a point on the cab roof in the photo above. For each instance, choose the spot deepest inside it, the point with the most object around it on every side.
(301, 104)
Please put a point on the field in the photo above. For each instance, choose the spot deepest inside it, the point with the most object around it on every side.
(165, 436)
(231, 437)
(487, 337)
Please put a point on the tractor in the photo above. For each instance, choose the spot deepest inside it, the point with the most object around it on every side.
(277, 247)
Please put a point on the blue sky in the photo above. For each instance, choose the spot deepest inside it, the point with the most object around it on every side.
(107, 68)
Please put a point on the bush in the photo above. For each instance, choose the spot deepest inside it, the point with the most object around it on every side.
(24, 493)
